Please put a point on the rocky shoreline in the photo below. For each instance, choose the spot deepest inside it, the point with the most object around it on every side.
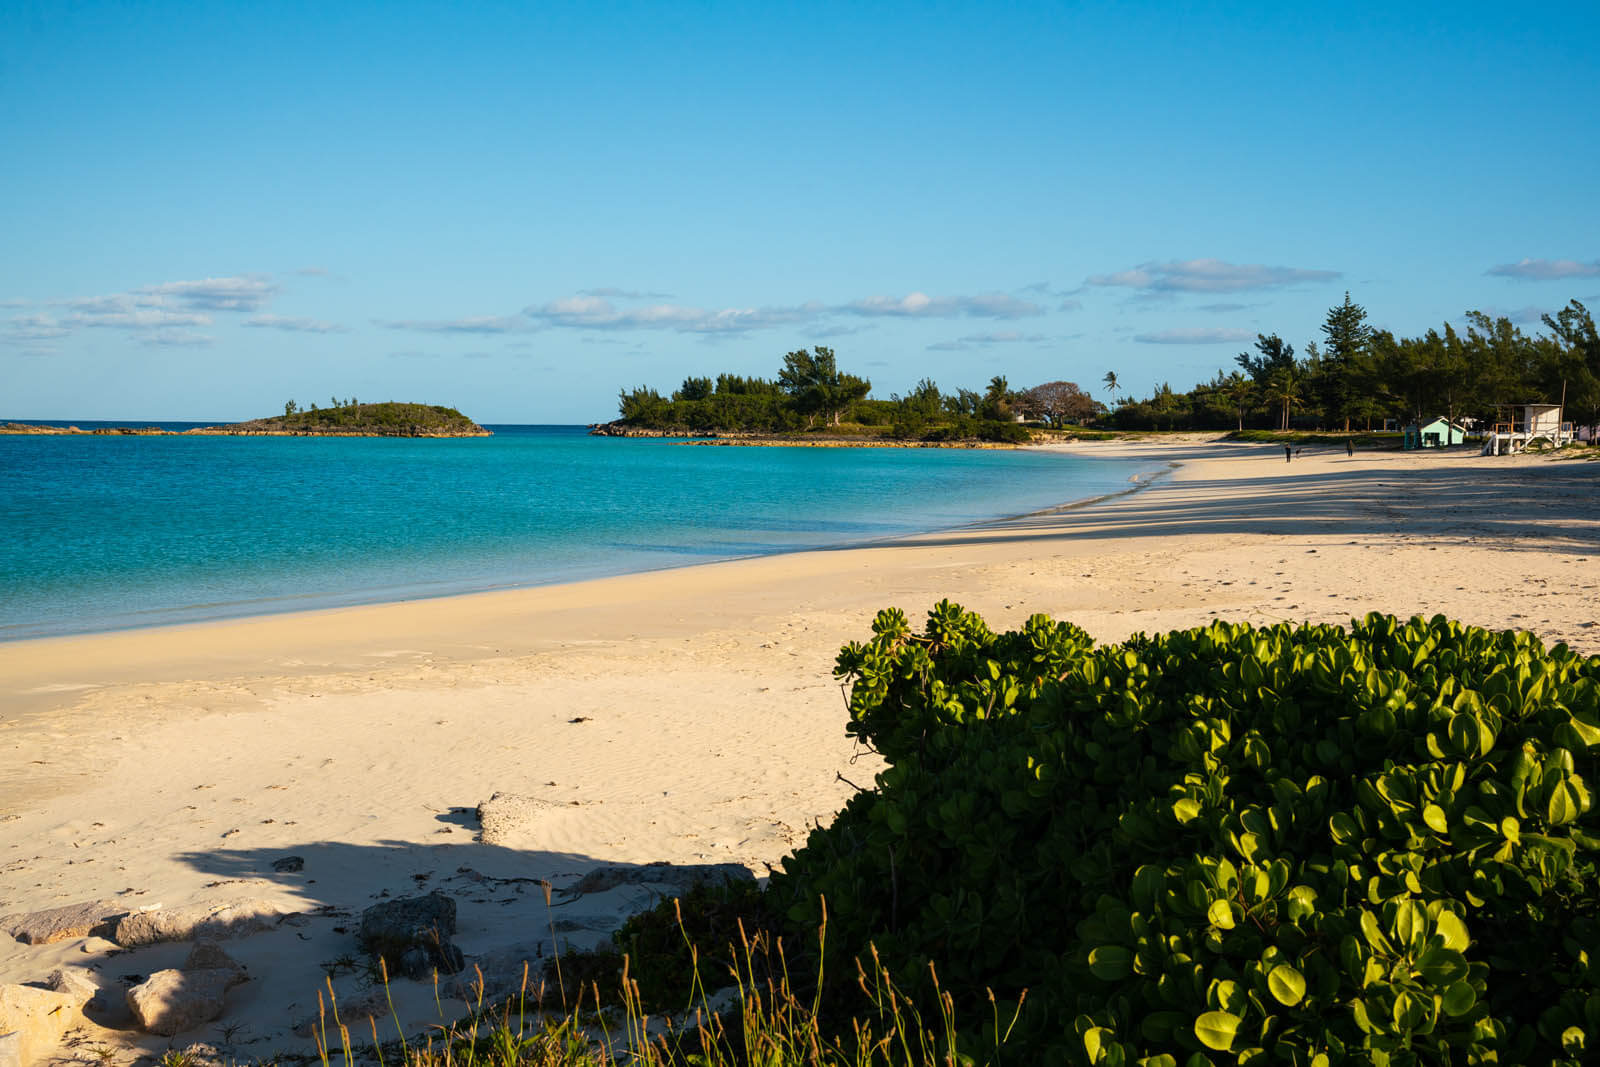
(737, 439)
(235, 430)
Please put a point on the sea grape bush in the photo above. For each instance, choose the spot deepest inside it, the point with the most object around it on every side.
(1302, 845)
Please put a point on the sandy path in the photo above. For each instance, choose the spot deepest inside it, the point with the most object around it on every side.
(687, 716)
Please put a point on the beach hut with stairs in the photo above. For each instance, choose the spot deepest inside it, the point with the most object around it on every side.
(1525, 425)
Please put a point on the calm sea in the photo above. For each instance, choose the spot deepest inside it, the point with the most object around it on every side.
(100, 533)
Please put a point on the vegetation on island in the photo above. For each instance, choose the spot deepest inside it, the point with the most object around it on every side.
(352, 417)
(811, 394)
(1290, 844)
(1356, 377)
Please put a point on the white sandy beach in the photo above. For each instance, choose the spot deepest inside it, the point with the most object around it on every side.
(686, 716)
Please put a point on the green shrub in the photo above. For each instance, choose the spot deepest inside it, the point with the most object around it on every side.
(1291, 844)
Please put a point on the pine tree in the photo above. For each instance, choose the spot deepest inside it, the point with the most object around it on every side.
(1348, 339)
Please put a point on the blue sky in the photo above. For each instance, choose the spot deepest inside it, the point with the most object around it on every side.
(208, 209)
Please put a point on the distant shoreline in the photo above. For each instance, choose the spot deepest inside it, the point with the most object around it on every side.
(347, 419)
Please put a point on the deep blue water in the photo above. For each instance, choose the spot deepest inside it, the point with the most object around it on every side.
(104, 533)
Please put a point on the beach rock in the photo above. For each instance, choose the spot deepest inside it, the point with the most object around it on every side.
(208, 956)
(289, 864)
(661, 877)
(170, 1002)
(511, 970)
(505, 816)
(215, 920)
(60, 924)
(35, 1020)
(74, 982)
(412, 935)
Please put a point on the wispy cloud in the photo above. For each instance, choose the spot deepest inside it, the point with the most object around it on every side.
(281, 322)
(1546, 270)
(240, 292)
(921, 305)
(985, 340)
(175, 338)
(311, 272)
(469, 324)
(598, 313)
(122, 311)
(26, 329)
(1070, 304)
(1208, 276)
(1220, 309)
(1197, 335)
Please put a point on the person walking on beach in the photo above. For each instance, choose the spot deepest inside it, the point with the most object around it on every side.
(1349, 447)
(1288, 455)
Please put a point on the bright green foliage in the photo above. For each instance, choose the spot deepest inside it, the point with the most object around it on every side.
(1293, 845)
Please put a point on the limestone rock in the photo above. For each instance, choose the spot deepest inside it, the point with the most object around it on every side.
(74, 982)
(662, 877)
(170, 1002)
(208, 956)
(289, 864)
(36, 1019)
(507, 815)
(215, 920)
(412, 935)
(60, 924)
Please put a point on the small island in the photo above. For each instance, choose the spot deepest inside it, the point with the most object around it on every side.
(344, 418)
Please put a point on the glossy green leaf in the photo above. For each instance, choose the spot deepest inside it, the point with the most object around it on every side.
(1459, 999)
(1220, 915)
(1286, 984)
(1454, 932)
(1434, 816)
(1111, 963)
(1217, 1029)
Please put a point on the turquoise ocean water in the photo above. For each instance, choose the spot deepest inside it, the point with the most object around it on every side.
(100, 533)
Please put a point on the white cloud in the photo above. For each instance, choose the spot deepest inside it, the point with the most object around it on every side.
(29, 328)
(280, 322)
(921, 305)
(240, 292)
(469, 324)
(1208, 276)
(1199, 335)
(598, 313)
(983, 340)
(1220, 309)
(130, 313)
(1546, 270)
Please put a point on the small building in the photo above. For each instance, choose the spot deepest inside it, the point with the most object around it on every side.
(1523, 425)
(1437, 432)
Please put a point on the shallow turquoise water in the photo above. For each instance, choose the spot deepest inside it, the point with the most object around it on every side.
(109, 532)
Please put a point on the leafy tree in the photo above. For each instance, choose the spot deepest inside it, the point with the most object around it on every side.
(1347, 337)
(817, 386)
(1241, 392)
(290, 408)
(1286, 386)
(1058, 403)
(694, 389)
(1274, 355)
(1578, 359)
(1111, 384)
(997, 400)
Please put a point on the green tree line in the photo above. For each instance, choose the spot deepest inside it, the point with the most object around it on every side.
(812, 393)
(1355, 376)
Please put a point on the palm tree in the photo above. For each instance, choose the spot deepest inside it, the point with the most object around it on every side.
(1286, 386)
(1111, 384)
(1241, 391)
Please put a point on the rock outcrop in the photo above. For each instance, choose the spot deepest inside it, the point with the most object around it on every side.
(60, 924)
(172, 1001)
(504, 817)
(662, 877)
(215, 920)
(411, 935)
